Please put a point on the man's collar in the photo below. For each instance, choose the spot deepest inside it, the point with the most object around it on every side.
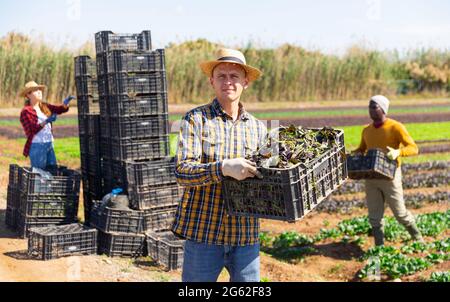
(218, 110)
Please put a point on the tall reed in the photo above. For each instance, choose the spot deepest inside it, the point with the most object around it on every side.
(291, 73)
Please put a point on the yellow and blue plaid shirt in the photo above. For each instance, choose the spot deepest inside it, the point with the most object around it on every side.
(208, 135)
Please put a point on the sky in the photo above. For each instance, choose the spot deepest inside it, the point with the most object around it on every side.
(325, 25)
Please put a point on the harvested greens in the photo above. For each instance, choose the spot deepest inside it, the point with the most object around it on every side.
(286, 147)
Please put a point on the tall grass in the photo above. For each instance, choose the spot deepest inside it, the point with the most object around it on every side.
(291, 73)
(23, 60)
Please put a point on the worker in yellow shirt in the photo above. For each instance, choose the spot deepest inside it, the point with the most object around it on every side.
(389, 135)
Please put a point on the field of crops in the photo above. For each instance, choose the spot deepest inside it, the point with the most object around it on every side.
(332, 243)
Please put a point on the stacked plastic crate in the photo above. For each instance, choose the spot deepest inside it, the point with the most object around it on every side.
(47, 200)
(13, 197)
(89, 130)
(135, 132)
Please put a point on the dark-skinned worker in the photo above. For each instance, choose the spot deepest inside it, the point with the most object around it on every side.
(391, 136)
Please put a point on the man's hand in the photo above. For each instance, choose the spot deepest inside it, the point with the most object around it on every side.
(240, 169)
(393, 154)
(68, 99)
(52, 118)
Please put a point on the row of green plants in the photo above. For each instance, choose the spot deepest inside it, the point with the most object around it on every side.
(397, 262)
(431, 224)
(292, 73)
(439, 277)
(412, 200)
(391, 261)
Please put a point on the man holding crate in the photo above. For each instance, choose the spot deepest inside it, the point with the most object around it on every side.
(213, 142)
(387, 134)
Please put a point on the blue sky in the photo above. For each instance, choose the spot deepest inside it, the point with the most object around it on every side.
(329, 26)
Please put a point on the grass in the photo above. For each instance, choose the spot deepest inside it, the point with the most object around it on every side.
(67, 150)
(419, 131)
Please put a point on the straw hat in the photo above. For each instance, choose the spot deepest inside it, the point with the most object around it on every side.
(231, 56)
(30, 86)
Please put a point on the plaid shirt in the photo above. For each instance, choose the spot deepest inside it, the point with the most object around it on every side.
(208, 136)
(29, 121)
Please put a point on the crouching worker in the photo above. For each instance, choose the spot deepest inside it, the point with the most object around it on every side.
(389, 135)
(36, 119)
(213, 142)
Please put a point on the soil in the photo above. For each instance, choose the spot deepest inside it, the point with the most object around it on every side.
(334, 261)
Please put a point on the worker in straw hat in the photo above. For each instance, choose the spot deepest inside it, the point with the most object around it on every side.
(389, 135)
(36, 119)
(212, 145)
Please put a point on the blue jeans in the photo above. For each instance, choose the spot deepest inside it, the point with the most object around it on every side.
(42, 155)
(204, 263)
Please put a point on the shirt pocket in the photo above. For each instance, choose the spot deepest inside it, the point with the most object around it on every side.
(212, 145)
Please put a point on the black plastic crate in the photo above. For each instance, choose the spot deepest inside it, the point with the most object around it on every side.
(60, 241)
(93, 184)
(91, 164)
(93, 142)
(121, 245)
(93, 125)
(136, 149)
(13, 197)
(63, 182)
(151, 173)
(132, 84)
(49, 206)
(24, 224)
(92, 181)
(111, 220)
(139, 127)
(89, 151)
(373, 165)
(166, 249)
(155, 197)
(88, 105)
(85, 66)
(135, 61)
(108, 41)
(82, 124)
(11, 217)
(123, 105)
(14, 176)
(89, 125)
(159, 219)
(287, 194)
(87, 86)
(116, 175)
(89, 199)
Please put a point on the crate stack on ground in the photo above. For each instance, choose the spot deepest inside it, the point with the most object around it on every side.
(89, 130)
(134, 143)
(40, 201)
